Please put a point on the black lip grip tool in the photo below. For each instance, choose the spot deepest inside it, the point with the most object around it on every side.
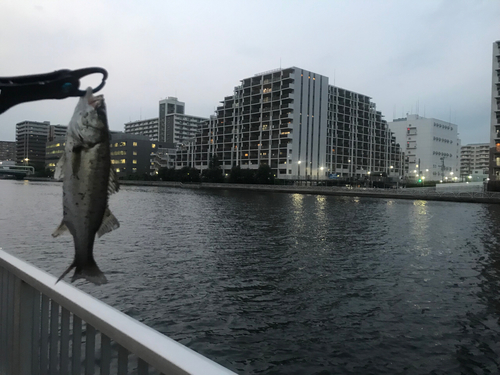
(60, 84)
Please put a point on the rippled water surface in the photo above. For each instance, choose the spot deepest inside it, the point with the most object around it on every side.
(289, 283)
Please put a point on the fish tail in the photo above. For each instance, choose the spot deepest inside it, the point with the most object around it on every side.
(90, 272)
(72, 265)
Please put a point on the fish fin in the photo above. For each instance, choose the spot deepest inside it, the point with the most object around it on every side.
(109, 223)
(59, 171)
(61, 229)
(113, 184)
(72, 265)
(91, 273)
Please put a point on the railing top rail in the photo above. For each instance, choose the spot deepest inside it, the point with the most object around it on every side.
(160, 351)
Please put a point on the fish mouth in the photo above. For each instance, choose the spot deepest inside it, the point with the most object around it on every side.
(95, 101)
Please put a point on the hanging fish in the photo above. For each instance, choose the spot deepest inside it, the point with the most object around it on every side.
(88, 180)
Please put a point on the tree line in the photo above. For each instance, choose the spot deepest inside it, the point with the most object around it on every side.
(214, 174)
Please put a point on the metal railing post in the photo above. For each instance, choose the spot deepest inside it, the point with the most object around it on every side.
(23, 310)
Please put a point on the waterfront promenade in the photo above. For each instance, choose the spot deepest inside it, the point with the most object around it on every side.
(429, 193)
(425, 193)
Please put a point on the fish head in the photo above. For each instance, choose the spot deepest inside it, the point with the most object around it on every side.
(89, 124)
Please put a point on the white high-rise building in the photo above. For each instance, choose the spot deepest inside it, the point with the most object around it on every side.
(431, 147)
(495, 115)
(474, 159)
(148, 127)
(303, 128)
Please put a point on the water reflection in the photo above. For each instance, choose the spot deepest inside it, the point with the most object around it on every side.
(290, 284)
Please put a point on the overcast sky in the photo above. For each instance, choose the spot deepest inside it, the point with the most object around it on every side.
(434, 56)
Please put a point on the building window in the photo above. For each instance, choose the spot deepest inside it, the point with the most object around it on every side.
(153, 145)
(134, 143)
(134, 161)
(134, 153)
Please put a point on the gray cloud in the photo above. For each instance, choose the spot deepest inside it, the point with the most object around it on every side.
(434, 53)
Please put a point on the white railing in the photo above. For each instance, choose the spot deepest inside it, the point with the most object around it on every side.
(49, 328)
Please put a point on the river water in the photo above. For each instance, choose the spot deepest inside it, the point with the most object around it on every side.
(287, 283)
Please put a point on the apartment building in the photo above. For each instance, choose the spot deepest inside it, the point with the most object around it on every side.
(302, 127)
(474, 159)
(7, 150)
(148, 128)
(31, 140)
(494, 171)
(431, 147)
(130, 154)
(172, 125)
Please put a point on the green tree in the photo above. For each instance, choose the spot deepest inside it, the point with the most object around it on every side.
(264, 175)
(168, 174)
(214, 171)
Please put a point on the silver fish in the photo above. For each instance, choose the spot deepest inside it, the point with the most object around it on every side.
(88, 179)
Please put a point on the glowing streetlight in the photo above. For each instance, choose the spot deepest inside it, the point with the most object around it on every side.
(299, 162)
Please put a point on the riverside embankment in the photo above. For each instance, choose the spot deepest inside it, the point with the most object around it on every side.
(429, 193)
(412, 194)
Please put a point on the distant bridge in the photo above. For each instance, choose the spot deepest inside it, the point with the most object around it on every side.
(18, 171)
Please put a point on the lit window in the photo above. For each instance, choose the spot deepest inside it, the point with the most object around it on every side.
(153, 145)
(134, 169)
(134, 153)
(134, 161)
(134, 143)
(117, 170)
(123, 144)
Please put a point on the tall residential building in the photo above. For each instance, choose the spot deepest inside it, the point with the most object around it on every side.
(474, 158)
(172, 125)
(7, 150)
(302, 127)
(31, 139)
(495, 115)
(431, 147)
(148, 127)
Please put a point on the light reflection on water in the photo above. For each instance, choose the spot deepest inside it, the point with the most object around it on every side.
(289, 283)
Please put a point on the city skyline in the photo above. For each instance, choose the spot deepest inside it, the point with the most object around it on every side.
(431, 58)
